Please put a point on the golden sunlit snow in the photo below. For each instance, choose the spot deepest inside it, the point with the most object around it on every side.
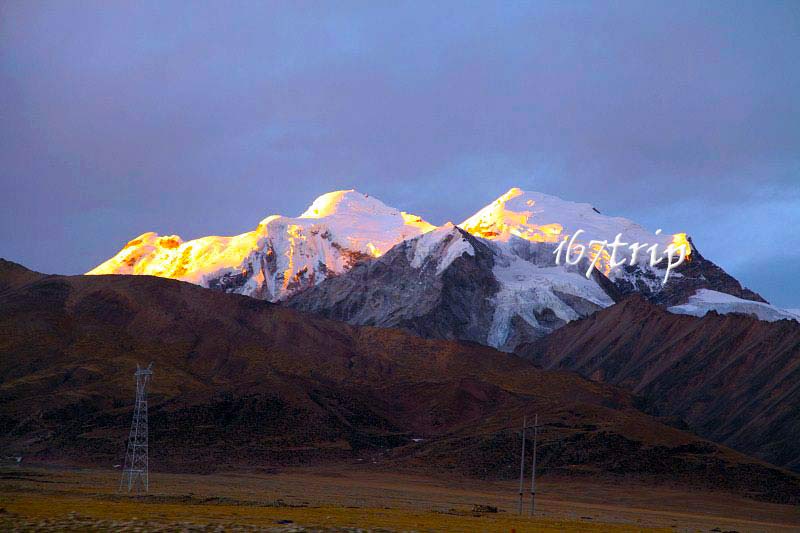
(341, 226)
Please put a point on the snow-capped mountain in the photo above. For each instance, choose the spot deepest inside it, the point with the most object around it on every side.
(522, 223)
(492, 279)
(537, 217)
(282, 255)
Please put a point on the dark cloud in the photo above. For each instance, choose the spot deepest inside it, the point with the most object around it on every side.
(118, 118)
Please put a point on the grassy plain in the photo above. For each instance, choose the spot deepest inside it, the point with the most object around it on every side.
(347, 498)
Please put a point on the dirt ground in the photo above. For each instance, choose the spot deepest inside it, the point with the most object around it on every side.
(357, 499)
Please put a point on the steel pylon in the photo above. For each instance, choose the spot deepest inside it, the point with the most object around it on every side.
(135, 473)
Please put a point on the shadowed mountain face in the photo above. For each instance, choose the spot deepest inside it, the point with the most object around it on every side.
(240, 381)
(732, 378)
(411, 287)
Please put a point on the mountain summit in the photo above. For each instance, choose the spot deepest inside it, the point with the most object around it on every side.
(282, 255)
(493, 279)
(539, 217)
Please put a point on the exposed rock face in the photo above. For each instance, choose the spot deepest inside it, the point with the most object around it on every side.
(731, 378)
(424, 285)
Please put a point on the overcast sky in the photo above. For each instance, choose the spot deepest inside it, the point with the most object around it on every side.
(118, 118)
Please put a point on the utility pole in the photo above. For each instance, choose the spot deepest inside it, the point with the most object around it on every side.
(136, 470)
(533, 465)
(522, 464)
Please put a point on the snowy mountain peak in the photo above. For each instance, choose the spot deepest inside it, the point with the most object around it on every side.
(363, 223)
(282, 255)
(347, 203)
(538, 217)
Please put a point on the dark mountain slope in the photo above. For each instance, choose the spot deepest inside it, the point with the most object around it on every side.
(732, 378)
(241, 382)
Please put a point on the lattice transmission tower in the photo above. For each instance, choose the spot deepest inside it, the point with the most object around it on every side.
(136, 469)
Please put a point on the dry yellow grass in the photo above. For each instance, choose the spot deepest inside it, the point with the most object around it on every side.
(38, 507)
(340, 499)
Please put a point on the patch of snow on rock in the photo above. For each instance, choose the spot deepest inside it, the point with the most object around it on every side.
(706, 300)
(444, 245)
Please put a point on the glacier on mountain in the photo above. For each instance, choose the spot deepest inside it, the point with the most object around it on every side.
(543, 296)
(705, 300)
